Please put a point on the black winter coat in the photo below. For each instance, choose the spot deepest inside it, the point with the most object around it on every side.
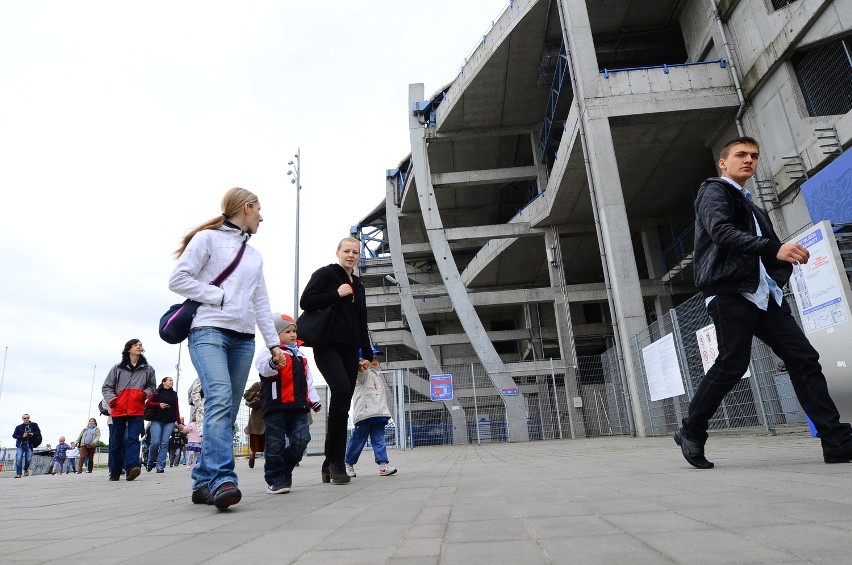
(727, 247)
(157, 414)
(349, 327)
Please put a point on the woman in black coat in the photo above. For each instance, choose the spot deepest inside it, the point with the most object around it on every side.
(163, 412)
(348, 342)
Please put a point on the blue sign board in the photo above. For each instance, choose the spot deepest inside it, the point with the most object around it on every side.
(509, 391)
(828, 193)
(441, 387)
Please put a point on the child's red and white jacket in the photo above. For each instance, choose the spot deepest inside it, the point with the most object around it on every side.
(289, 388)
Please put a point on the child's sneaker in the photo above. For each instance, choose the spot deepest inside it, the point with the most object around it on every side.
(385, 470)
(350, 470)
(278, 488)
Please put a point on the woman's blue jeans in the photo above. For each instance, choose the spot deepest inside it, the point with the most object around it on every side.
(158, 451)
(376, 432)
(222, 360)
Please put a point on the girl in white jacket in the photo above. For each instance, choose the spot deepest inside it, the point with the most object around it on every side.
(370, 413)
(221, 341)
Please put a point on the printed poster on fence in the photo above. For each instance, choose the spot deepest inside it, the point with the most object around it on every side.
(817, 285)
(662, 369)
(709, 347)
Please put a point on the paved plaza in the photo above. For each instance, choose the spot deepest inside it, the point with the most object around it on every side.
(608, 500)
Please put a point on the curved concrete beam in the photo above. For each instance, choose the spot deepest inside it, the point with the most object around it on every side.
(415, 325)
(516, 411)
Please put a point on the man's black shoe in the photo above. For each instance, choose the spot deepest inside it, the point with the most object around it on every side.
(842, 454)
(227, 495)
(693, 452)
(113, 477)
(133, 472)
(202, 496)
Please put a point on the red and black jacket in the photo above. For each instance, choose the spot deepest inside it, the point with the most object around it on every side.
(288, 389)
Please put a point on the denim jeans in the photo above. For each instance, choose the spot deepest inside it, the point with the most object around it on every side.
(375, 430)
(23, 457)
(158, 451)
(287, 437)
(222, 360)
(71, 465)
(124, 442)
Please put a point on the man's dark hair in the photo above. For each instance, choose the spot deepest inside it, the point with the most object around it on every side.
(745, 140)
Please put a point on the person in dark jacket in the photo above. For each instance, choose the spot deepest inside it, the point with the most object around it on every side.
(27, 436)
(163, 412)
(126, 390)
(741, 267)
(287, 394)
(177, 443)
(339, 359)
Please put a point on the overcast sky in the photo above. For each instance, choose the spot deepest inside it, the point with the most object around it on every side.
(121, 127)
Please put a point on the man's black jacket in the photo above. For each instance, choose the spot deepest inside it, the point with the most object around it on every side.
(727, 247)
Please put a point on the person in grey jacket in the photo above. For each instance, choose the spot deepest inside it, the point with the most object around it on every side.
(741, 267)
(221, 341)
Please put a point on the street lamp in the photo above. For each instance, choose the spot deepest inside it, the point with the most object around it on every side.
(297, 169)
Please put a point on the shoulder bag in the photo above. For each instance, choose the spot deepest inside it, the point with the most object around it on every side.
(177, 321)
(314, 326)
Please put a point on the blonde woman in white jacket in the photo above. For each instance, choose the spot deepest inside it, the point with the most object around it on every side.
(370, 413)
(221, 341)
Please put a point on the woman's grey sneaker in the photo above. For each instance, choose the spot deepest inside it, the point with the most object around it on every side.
(386, 470)
(350, 470)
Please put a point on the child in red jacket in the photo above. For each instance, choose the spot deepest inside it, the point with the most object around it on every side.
(287, 395)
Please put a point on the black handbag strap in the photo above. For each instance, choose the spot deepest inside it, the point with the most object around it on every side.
(230, 268)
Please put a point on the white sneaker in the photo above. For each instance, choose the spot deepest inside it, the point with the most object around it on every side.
(386, 470)
(350, 470)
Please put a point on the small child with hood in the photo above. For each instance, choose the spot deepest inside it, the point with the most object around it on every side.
(60, 456)
(287, 395)
(370, 413)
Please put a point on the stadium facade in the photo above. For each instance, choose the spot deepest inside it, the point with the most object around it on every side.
(544, 213)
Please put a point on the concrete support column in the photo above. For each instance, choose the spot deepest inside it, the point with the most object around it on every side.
(625, 296)
(654, 259)
(565, 331)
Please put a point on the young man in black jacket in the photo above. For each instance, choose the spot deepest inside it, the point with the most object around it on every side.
(741, 267)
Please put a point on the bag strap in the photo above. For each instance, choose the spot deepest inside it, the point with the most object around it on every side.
(231, 267)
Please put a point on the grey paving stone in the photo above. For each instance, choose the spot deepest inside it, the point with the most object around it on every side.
(488, 553)
(484, 530)
(421, 547)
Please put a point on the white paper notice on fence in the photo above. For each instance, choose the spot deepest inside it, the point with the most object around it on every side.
(818, 286)
(709, 347)
(662, 369)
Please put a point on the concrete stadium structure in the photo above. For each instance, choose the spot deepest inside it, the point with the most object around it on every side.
(544, 212)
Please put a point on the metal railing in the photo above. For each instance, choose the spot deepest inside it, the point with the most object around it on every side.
(665, 68)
